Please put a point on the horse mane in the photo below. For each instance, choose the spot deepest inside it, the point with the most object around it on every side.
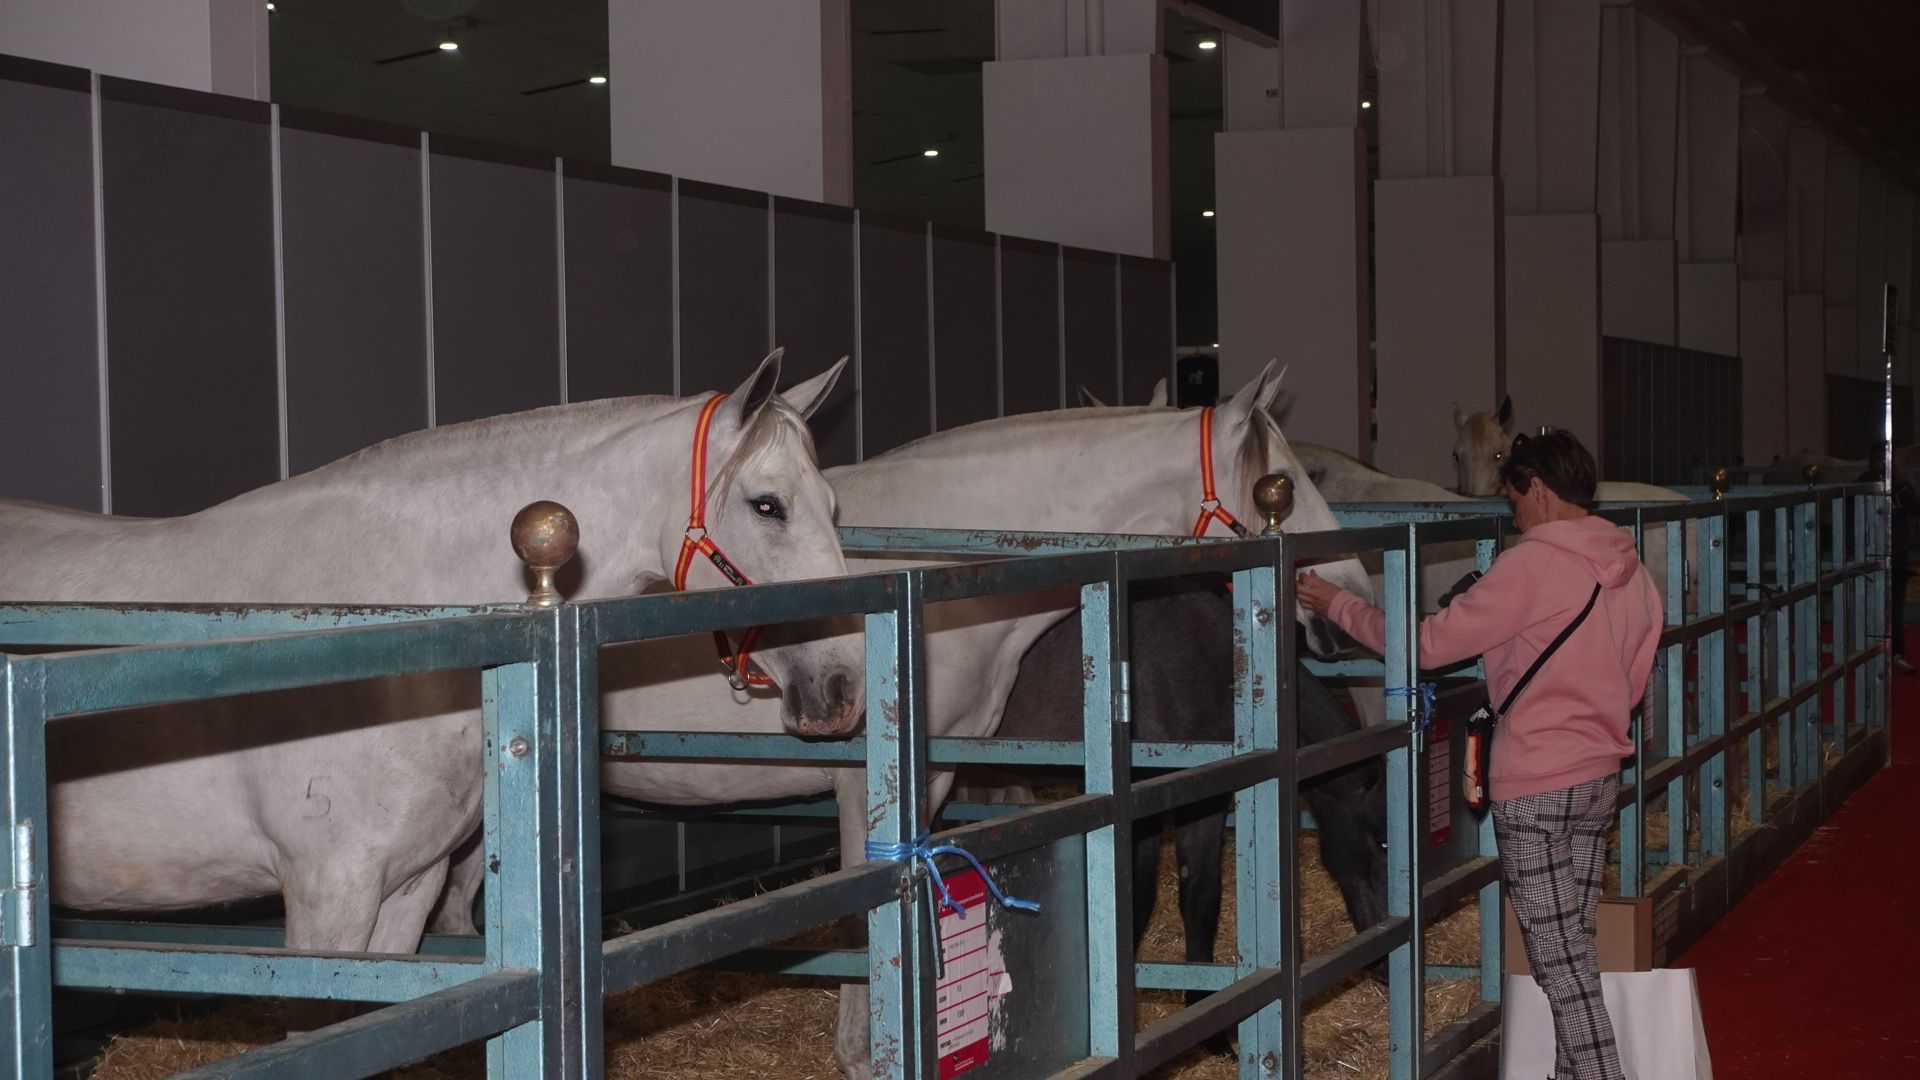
(580, 413)
(1314, 450)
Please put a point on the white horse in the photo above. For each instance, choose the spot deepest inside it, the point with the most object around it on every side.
(1480, 447)
(347, 800)
(1119, 470)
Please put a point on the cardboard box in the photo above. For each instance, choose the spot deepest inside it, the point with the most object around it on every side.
(1625, 936)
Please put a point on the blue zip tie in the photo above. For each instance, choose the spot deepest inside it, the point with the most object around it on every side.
(925, 853)
(1427, 693)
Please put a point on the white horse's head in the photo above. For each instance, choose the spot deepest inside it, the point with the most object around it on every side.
(1480, 447)
(1249, 439)
(771, 515)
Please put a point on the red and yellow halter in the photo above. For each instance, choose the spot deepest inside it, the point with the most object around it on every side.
(1210, 508)
(735, 660)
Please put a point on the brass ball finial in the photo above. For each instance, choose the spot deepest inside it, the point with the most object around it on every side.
(545, 536)
(1811, 474)
(1720, 481)
(1273, 494)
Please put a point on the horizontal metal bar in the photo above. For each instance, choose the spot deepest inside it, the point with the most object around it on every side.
(1167, 1039)
(1345, 669)
(1344, 750)
(1149, 975)
(377, 1041)
(1439, 896)
(871, 540)
(1321, 543)
(700, 939)
(253, 938)
(637, 618)
(1478, 527)
(1693, 630)
(119, 678)
(755, 746)
(124, 624)
(1323, 971)
(964, 581)
(1163, 793)
(181, 969)
(1455, 1038)
(1034, 827)
(847, 964)
(1222, 558)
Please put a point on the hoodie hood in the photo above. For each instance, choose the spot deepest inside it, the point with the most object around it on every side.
(1605, 549)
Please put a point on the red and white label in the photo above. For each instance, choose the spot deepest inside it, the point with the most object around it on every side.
(966, 994)
(1440, 781)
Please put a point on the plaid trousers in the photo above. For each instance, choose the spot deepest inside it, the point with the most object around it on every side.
(1553, 847)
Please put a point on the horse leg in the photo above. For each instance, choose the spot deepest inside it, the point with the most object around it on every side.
(454, 913)
(403, 915)
(330, 908)
(1146, 872)
(1199, 838)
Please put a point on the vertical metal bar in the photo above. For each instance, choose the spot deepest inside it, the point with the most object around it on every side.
(26, 971)
(100, 296)
(1806, 635)
(510, 711)
(1841, 623)
(1103, 632)
(577, 777)
(1714, 676)
(1633, 818)
(1260, 835)
(1275, 801)
(899, 968)
(1756, 673)
(1492, 925)
(1783, 672)
(1676, 657)
(1884, 607)
(1864, 686)
(1405, 966)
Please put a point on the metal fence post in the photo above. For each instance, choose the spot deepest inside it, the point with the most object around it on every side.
(1806, 640)
(1676, 745)
(1783, 668)
(522, 885)
(1406, 966)
(1492, 926)
(1263, 836)
(899, 939)
(1715, 822)
(1757, 659)
(1633, 817)
(1842, 622)
(1109, 866)
(26, 947)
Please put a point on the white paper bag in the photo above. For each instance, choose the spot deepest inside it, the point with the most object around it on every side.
(1656, 1024)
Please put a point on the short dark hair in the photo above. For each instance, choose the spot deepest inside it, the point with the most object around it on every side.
(1557, 460)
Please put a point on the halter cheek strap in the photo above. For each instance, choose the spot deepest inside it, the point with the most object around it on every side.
(696, 540)
(1210, 508)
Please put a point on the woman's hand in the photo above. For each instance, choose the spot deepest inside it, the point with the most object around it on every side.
(1315, 593)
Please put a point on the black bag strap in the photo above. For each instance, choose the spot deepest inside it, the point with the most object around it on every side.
(1541, 661)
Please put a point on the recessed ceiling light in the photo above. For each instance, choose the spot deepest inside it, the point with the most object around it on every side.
(1209, 43)
(1366, 104)
(597, 79)
(270, 6)
(447, 44)
(930, 152)
(1206, 213)
(1216, 344)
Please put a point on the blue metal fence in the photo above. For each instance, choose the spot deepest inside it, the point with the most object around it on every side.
(1813, 566)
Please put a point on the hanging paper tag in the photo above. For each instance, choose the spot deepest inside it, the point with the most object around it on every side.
(1440, 781)
(965, 995)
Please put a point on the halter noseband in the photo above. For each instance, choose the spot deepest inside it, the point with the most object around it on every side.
(1210, 508)
(734, 660)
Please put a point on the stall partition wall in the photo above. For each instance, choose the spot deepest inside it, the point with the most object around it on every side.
(201, 294)
(1666, 412)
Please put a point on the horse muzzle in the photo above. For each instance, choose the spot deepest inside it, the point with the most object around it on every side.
(824, 707)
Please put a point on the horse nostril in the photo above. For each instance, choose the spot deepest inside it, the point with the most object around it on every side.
(839, 691)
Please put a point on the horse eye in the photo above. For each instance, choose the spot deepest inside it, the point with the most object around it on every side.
(769, 507)
(1456, 457)
(1499, 457)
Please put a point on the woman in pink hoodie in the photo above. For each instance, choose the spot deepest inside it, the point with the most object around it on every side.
(1555, 772)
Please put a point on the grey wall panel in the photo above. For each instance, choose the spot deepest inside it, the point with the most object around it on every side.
(894, 380)
(1030, 324)
(1088, 312)
(723, 285)
(813, 313)
(619, 252)
(192, 377)
(356, 311)
(496, 302)
(49, 353)
(966, 364)
(1146, 327)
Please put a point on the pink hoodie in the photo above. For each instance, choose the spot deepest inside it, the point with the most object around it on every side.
(1571, 723)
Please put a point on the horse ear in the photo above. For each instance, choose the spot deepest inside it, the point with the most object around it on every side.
(805, 397)
(1089, 400)
(1256, 395)
(1505, 415)
(759, 389)
(1159, 398)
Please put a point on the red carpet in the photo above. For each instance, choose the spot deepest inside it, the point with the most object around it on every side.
(1814, 973)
